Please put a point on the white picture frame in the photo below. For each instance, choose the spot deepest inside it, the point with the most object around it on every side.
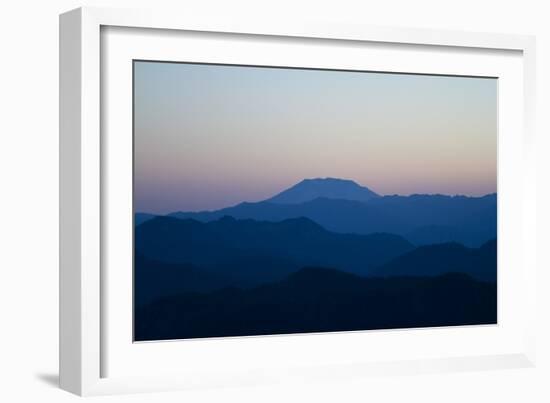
(85, 343)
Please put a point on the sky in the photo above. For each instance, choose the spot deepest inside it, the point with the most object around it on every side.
(212, 136)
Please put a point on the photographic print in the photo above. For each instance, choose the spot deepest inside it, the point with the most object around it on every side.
(274, 200)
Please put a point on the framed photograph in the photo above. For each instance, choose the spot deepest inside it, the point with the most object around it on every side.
(249, 202)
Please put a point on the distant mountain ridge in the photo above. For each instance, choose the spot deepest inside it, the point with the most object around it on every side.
(343, 206)
(330, 188)
(140, 218)
(422, 219)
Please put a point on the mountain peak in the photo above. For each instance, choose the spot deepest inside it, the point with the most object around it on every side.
(330, 188)
(329, 179)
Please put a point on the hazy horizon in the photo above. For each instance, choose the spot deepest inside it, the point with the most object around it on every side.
(211, 136)
(316, 178)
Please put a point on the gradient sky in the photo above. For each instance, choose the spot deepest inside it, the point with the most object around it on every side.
(208, 137)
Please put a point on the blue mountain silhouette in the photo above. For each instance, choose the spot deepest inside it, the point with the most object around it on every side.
(252, 252)
(433, 260)
(422, 219)
(324, 255)
(330, 188)
(140, 218)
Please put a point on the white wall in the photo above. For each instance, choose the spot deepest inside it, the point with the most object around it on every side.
(28, 202)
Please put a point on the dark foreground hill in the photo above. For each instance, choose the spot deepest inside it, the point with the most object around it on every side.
(320, 300)
(154, 279)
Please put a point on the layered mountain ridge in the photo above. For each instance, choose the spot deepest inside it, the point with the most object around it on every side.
(324, 255)
(343, 206)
